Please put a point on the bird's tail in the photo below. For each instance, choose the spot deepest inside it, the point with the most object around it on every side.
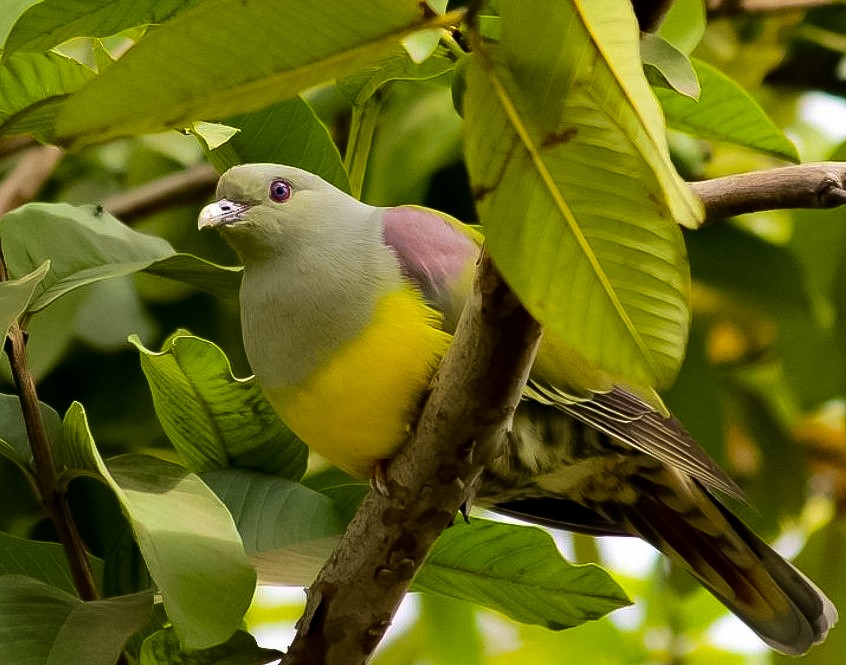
(690, 526)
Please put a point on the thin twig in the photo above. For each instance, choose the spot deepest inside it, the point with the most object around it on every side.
(190, 185)
(14, 144)
(730, 7)
(28, 176)
(818, 185)
(477, 388)
(24, 182)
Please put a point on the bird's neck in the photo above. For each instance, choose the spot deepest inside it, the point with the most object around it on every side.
(300, 308)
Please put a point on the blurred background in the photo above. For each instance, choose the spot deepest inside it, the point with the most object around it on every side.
(762, 387)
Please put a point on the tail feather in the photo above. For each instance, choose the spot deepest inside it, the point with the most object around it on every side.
(764, 590)
(684, 521)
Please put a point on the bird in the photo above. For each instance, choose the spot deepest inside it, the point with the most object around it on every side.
(346, 310)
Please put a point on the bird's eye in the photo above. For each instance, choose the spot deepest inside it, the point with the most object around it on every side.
(280, 190)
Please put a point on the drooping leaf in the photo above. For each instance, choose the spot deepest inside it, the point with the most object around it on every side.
(187, 537)
(421, 45)
(243, 57)
(286, 133)
(665, 65)
(14, 442)
(32, 85)
(163, 648)
(573, 181)
(51, 22)
(86, 245)
(212, 135)
(42, 624)
(273, 512)
(519, 572)
(16, 294)
(213, 419)
(40, 560)
(725, 112)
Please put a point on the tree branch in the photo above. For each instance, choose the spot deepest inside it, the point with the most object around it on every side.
(468, 413)
(731, 7)
(183, 186)
(28, 176)
(819, 185)
(23, 183)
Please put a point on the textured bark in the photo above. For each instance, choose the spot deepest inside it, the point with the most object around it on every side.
(820, 185)
(476, 389)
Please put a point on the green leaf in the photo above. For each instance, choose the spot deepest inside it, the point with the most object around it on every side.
(186, 535)
(519, 572)
(516, 570)
(359, 87)
(286, 133)
(421, 45)
(51, 22)
(573, 181)
(32, 85)
(40, 560)
(725, 112)
(42, 624)
(213, 419)
(684, 24)
(12, 9)
(665, 65)
(14, 442)
(86, 245)
(213, 134)
(273, 512)
(163, 648)
(16, 294)
(242, 57)
(754, 271)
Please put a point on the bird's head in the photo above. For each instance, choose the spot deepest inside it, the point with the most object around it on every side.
(265, 209)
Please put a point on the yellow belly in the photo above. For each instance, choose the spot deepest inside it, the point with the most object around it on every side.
(359, 406)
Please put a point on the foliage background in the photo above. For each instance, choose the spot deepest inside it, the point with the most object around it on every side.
(762, 385)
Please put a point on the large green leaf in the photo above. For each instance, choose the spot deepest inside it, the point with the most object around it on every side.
(286, 133)
(568, 161)
(273, 512)
(519, 572)
(43, 625)
(52, 22)
(213, 419)
(725, 112)
(513, 569)
(243, 57)
(86, 245)
(41, 560)
(31, 87)
(186, 535)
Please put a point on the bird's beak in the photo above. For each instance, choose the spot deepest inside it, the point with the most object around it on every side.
(222, 212)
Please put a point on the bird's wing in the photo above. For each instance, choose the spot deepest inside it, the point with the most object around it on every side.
(435, 252)
(629, 420)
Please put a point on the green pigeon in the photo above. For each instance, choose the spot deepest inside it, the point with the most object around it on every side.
(346, 311)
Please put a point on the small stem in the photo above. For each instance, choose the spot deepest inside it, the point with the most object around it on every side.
(365, 119)
(452, 44)
(52, 496)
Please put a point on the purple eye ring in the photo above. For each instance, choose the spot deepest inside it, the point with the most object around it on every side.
(280, 191)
